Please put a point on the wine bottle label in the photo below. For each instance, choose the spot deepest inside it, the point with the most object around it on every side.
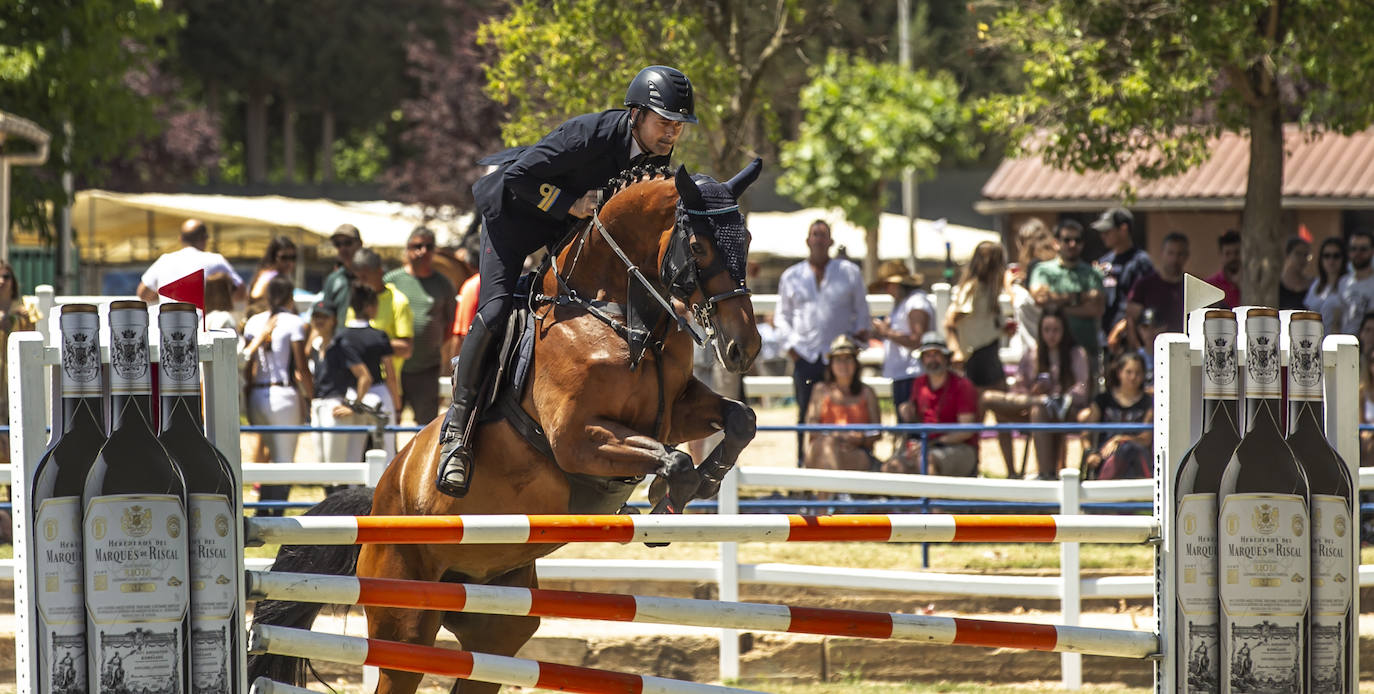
(1265, 654)
(80, 355)
(58, 592)
(1305, 360)
(136, 591)
(1333, 585)
(214, 593)
(1262, 357)
(1329, 655)
(179, 359)
(1219, 380)
(129, 353)
(1265, 571)
(1197, 593)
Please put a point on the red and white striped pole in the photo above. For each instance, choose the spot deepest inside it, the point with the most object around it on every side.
(521, 529)
(483, 667)
(459, 597)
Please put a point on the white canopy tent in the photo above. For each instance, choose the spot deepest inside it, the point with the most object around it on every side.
(130, 227)
(783, 235)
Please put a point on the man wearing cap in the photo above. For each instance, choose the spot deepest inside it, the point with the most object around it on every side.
(533, 198)
(335, 294)
(940, 396)
(1122, 265)
(192, 256)
(901, 332)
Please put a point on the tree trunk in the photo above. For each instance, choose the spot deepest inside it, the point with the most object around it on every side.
(327, 145)
(212, 105)
(288, 138)
(871, 253)
(1262, 233)
(255, 137)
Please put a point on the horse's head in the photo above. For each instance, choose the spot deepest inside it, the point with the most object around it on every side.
(702, 261)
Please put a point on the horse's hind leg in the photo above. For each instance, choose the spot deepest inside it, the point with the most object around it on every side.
(392, 624)
(496, 634)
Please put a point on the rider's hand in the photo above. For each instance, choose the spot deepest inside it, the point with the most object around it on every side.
(585, 205)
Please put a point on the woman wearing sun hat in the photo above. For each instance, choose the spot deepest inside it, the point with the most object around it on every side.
(901, 332)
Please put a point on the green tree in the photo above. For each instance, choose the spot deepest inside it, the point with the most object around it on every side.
(560, 58)
(67, 62)
(1139, 86)
(863, 124)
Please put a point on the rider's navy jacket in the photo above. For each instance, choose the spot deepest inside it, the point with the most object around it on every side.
(539, 183)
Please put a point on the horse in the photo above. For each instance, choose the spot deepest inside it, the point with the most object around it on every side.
(611, 388)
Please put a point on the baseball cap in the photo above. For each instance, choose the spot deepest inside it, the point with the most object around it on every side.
(347, 231)
(1113, 218)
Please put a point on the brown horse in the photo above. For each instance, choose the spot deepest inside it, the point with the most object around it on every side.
(608, 424)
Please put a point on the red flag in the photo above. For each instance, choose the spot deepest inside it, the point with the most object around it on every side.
(190, 289)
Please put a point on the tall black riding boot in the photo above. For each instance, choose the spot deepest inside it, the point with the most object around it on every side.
(455, 439)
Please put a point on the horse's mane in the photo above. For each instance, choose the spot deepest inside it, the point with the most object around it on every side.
(629, 177)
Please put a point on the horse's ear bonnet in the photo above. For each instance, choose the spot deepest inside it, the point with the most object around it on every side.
(710, 209)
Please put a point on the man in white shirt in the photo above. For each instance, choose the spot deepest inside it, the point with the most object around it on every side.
(192, 256)
(819, 299)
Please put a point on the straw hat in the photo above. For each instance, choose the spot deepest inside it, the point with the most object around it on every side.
(843, 344)
(896, 272)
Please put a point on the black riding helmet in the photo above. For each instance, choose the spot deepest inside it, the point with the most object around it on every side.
(665, 91)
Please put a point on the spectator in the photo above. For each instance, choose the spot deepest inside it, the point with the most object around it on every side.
(974, 323)
(1227, 278)
(432, 300)
(819, 299)
(940, 396)
(278, 259)
(219, 303)
(901, 332)
(1120, 455)
(15, 316)
(1051, 382)
(1073, 288)
(1364, 333)
(1035, 244)
(842, 398)
(393, 317)
(1160, 292)
(1356, 289)
(1323, 296)
(1293, 279)
(322, 328)
(192, 256)
(347, 241)
(1123, 264)
(279, 383)
(1366, 410)
(357, 378)
(1144, 329)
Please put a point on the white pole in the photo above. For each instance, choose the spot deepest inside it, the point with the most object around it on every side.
(728, 501)
(1071, 581)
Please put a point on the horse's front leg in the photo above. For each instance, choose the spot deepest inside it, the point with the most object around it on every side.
(610, 449)
(699, 413)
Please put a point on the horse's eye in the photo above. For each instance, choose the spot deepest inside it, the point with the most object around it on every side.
(697, 248)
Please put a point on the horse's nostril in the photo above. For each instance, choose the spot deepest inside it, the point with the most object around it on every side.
(733, 352)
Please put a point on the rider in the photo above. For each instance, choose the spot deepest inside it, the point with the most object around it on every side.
(532, 199)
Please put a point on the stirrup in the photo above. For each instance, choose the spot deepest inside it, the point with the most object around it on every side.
(455, 455)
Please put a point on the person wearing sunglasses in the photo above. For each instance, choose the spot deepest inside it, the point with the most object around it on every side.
(433, 301)
(192, 256)
(336, 291)
(278, 259)
(1322, 296)
(1073, 287)
(1356, 289)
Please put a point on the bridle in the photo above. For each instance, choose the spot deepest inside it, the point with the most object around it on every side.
(678, 269)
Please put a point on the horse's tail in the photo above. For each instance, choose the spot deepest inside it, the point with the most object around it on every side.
(332, 560)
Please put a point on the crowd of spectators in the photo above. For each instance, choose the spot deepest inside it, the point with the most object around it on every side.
(1063, 314)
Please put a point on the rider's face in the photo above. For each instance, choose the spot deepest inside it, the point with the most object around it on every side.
(657, 134)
